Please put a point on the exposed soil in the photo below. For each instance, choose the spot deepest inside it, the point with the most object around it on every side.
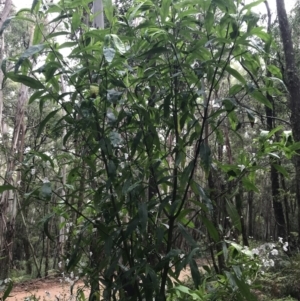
(54, 289)
(46, 290)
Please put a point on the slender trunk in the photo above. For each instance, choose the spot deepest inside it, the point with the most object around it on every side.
(293, 85)
(4, 15)
(250, 213)
(286, 204)
(277, 205)
(8, 201)
(6, 217)
(274, 174)
(239, 207)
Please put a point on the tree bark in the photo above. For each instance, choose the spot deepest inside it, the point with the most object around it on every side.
(8, 201)
(293, 86)
(4, 15)
(250, 214)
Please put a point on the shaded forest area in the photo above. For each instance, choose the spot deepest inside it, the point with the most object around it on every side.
(141, 138)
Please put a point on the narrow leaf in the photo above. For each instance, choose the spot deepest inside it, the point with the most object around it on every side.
(28, 53)
(235, 74)
(164, 11)
(25, 80)
(261, 98)
(234, 216)
(5, 25)
(109, 10)
(7, 291)
(46, 226)
(119, 45)
(212, 230)
(46, 191)
(34, 4)
(45, 121)
(186, 235)
(250, 5)
(3, 66)
(143, 216)
(195, 273)
(282, 170)
(205, 156)
(6, 187)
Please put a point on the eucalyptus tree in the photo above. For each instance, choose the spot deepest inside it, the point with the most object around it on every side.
(293, 85)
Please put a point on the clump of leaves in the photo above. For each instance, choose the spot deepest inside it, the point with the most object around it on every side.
(282, 280)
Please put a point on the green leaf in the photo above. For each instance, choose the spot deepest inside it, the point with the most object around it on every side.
(250, 5)
(59, 18)
(75, 255)
(109, 54)
(244, 289)
(76, 20)
(44, 157)
(229, 104)
(275, 70)
(187, 172)
(165, 8)
(275, 130)
(5, 25)
(183, 289)
(25, 80)
(212, 230)
(234, 216)
(111, 168)
(166, 105)
(24, 18)
(109, 10)
(38, 34)
(294, 147)
(261, 98)
(198, 190)
(45, 221)
(3, 66)
(155, 51)
(8, 290)
(30, 51)
(35, 4)
(195, 273)
(136, 142)
(236, 74)
(45, 121)
(118, 44)
(209, 21)
(143, 216)
(6, 187)
(46, 191)
(115, 138)
(249, 185)
(235, 89)
(205, 156)
(186, 235)
(250, 117)
(282, 170)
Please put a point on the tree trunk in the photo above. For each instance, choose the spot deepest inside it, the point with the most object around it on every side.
(250, 214)
(293, 85)
(8, 201)
(4, 15)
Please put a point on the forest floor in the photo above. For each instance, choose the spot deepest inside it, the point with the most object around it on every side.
(54, 289)
(45, 290)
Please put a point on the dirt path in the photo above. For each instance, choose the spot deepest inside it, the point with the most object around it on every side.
(54, 289)
(45, 290)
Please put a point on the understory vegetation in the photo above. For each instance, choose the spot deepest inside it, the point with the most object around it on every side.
(141, 139)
